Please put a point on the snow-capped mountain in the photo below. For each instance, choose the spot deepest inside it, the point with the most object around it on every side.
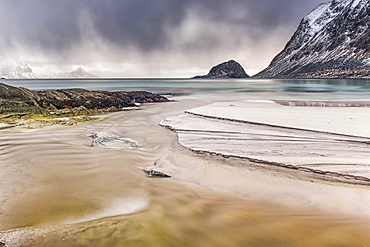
(80, 73)
(21, 70)
(331, 42)
(14, 69)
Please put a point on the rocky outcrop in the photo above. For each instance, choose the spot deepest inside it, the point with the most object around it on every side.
(230, 69)
(330, 42)
(17, 99)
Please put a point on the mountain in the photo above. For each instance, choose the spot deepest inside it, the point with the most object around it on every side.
(331, 42)
(21, 70)
(80, 73)
(229, 69)
(13, 69)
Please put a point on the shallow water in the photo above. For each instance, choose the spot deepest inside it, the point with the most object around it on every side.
(57, 189)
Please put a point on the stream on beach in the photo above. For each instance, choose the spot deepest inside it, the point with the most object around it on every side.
(84, 185)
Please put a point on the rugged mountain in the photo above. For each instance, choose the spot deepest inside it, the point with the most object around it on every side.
(230, 69)
(21, 70)
(331, 42)
(15, 70)
(18, 99)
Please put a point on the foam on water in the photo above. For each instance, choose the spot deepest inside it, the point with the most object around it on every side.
(106, 140)
(119, 206)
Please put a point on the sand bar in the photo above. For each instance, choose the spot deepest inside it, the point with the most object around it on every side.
(329, 139)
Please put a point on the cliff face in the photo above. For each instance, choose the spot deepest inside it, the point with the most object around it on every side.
(230, 69)
(330, 42)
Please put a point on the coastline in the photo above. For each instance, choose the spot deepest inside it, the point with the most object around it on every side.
(89, 176)
(249, 194)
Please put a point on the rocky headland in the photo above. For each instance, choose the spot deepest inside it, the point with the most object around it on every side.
(18, 104)
(229, 69)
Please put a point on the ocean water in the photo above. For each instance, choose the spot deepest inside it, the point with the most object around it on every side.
(312, 88)
(60, 189)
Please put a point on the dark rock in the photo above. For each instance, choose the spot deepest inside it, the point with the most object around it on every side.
(14, 99)
(155, 174)
(230, 69)
(330, 42)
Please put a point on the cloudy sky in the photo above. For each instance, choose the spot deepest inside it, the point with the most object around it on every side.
(148, 38)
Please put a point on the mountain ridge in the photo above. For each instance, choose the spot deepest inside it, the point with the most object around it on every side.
(21, 70)
(330, 42)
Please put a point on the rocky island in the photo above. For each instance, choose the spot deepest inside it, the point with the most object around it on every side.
(229, 69)
(18, 103)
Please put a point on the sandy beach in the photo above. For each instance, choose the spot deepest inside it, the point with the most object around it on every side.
(319, 155)
(312, 137)
(241, 170)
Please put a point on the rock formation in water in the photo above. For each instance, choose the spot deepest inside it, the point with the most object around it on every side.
(18, 99)
(155, 174)
(230, 69)
(330, 42)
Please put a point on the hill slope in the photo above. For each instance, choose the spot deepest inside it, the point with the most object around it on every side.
(330, 42)
(229, 69)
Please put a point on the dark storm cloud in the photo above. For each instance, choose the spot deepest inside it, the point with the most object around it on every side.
(132, 33)
(50, 24)
(141, 23)
(144, 24)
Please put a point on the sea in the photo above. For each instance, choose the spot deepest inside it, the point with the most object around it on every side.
(310, 88)
(84, 185)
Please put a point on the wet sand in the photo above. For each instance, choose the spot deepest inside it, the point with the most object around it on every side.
(59, 190)
(331, 141)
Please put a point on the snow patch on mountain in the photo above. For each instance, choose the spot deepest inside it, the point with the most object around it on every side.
(14, 69)
(318, 18)
(355, 3)
(314, 20)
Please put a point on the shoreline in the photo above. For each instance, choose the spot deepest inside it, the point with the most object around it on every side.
(193, 194)
(263, 132)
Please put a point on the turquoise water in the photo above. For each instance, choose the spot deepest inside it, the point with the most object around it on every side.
(321, 89)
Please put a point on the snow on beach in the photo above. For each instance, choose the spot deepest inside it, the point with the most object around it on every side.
(324, 140)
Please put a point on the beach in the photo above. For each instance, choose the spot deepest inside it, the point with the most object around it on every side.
(84, 185)
(299, 136)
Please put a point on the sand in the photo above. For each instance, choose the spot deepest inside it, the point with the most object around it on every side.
(329, 141)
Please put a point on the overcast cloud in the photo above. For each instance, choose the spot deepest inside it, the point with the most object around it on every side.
(148, 38)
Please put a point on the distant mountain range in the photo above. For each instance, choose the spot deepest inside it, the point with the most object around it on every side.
(333, 41)
(22, 70)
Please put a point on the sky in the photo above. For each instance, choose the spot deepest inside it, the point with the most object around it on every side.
(148, 38)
